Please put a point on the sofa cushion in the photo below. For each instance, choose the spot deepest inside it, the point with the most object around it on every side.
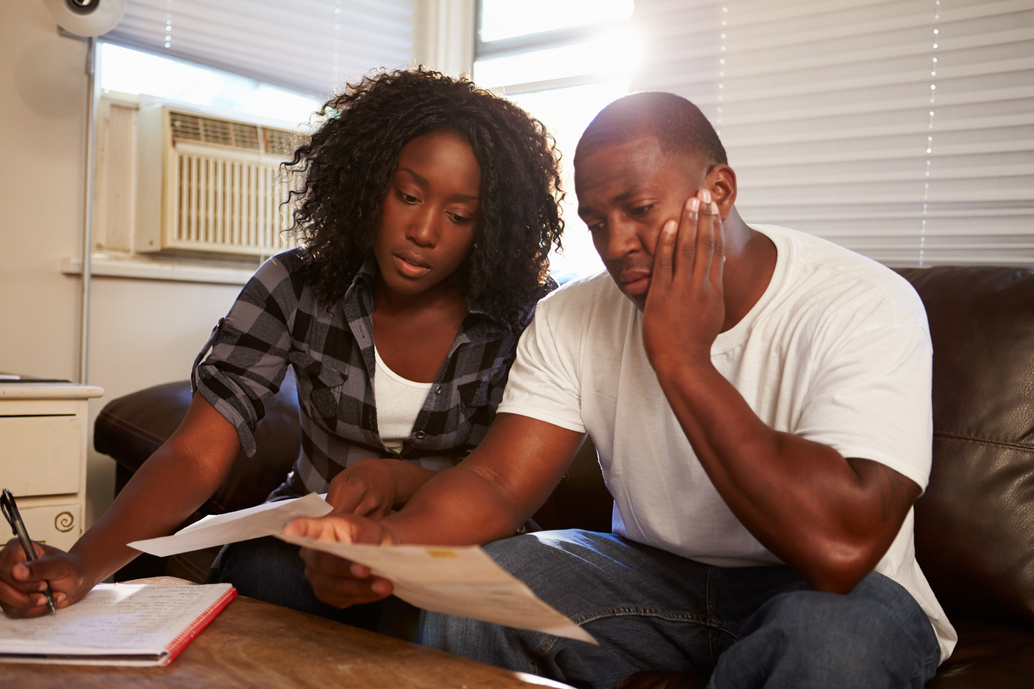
(975, 523)
(581, 499)
(987, 655)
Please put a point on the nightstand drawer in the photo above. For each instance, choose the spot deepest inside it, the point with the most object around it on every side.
(41, 455)
(59, 525)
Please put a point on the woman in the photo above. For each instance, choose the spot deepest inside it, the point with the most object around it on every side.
(428, 209)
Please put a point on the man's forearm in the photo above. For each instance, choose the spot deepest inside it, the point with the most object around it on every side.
(493, 491)
(802, 500)
(457, 506)
(408, 479)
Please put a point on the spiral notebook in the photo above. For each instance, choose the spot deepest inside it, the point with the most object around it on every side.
(117, 624)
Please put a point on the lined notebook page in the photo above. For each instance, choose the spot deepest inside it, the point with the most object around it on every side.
(117, 624)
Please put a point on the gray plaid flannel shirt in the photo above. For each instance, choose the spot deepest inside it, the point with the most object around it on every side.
(276, 322)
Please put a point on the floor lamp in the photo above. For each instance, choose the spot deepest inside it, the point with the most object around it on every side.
(86, 19)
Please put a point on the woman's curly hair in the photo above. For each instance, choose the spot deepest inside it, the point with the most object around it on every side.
(348, 163)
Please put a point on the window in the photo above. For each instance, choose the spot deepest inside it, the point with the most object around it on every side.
(562, 62)
(902, 129)
(198, 188)
(130, 71)
(311, 46)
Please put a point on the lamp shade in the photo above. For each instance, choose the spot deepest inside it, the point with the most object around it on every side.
(86, 17)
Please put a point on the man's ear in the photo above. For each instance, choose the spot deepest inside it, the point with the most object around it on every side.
(721, 180)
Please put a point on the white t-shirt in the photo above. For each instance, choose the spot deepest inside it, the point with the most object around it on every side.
(837, 350)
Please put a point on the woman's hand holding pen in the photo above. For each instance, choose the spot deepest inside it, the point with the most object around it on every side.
(334, 580)
(22, 583)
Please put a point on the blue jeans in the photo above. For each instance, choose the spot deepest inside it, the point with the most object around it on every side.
(269, 569)
(652, 610)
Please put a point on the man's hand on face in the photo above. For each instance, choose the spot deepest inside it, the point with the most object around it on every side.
(685, 307)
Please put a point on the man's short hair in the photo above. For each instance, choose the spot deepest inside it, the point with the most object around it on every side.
(679, 125)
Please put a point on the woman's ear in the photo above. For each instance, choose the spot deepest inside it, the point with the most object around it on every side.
(721, 180)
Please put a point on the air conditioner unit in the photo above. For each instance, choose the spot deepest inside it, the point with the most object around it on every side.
(210, 185)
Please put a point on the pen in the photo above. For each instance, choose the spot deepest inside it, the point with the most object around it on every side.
(14, 518)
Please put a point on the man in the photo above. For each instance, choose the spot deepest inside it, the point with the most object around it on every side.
(760, 401)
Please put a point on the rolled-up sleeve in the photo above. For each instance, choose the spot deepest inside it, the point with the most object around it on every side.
(241, 367)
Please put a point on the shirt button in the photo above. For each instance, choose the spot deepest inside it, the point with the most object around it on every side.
(438, 390)
(420, 435)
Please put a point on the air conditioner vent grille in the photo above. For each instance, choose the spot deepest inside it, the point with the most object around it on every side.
(206, 186)
(280, 142)
(231, 206)
(189, 127)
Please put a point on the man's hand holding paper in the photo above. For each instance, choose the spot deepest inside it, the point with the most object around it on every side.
(340, 581)
(457, 580)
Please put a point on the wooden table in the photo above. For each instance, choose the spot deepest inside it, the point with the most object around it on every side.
(254, 645)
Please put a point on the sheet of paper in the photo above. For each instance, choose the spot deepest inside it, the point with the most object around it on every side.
(267, 519)
(461, 581)
(456, 581)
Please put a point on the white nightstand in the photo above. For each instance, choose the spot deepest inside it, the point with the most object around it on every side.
(43, 432)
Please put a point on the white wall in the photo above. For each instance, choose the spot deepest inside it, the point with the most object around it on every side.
(143, 332)
(42, 112)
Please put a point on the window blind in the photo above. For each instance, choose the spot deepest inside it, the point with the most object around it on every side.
(902, 129)
(312, 46)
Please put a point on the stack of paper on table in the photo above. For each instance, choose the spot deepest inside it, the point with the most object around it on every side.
(462, 581)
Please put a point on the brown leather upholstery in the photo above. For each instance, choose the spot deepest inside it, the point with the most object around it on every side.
(974, 525)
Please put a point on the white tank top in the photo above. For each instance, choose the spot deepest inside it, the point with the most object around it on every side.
(398, 403)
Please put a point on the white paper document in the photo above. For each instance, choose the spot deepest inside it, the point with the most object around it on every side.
(462, 581)
(267, 519)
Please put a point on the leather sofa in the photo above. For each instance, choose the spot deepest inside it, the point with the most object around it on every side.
(974, 524)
